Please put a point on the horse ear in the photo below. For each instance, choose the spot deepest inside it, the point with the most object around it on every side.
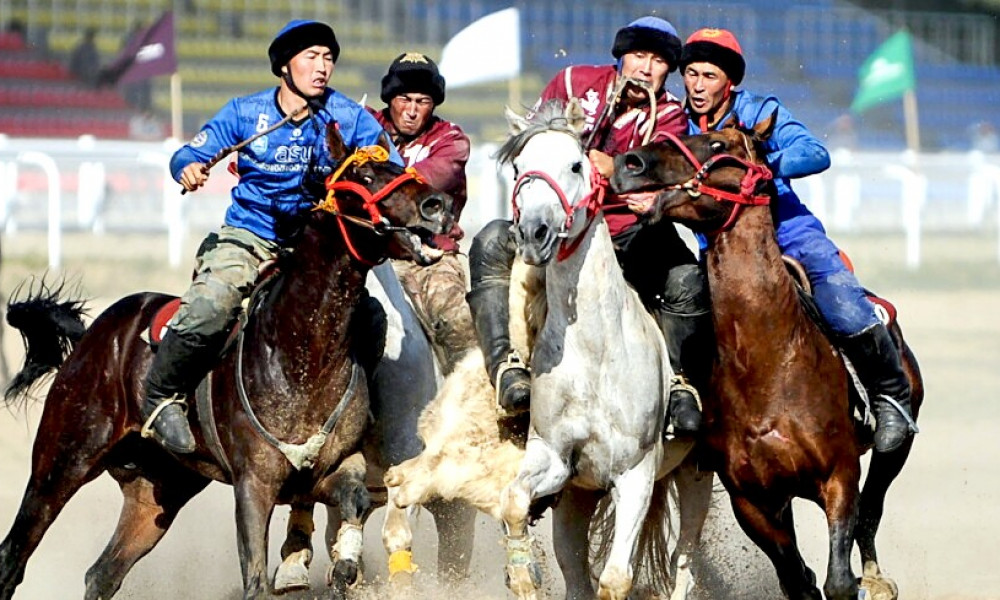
(731, 123)
(338, 151)
(385, 142)
(763, 130)
(516, 122)
(575, 115)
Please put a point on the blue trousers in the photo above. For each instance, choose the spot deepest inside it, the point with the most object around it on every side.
(837, 292)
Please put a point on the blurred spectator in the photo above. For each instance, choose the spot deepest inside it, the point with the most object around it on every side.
(85, 60)
(984, 137)
(145, 126)
(842, 134)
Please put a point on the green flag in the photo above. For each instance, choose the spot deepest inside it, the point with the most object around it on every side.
(887, 73)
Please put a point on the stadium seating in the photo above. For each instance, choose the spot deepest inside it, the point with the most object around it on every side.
(808, 55)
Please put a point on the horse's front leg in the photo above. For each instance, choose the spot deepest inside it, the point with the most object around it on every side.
(296, 552)
(543, 472)
(455, 522)
(694, 493)
(631, 493)
(254, 506)
(840, 500)
(350, 495)
(397, 539)
(570, 527)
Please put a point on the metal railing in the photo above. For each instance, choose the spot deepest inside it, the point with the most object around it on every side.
(106, 186)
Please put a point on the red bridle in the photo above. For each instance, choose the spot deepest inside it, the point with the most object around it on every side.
(378, 223)
(755, 173)
(592, 201)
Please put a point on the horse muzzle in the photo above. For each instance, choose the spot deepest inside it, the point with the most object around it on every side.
(536, 241)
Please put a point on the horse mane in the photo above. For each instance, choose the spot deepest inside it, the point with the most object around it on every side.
(550, 116)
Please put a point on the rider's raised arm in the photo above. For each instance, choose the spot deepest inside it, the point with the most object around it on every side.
(793, 151)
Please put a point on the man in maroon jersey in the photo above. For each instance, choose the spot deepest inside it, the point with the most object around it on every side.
(626, 106)
(438, 150)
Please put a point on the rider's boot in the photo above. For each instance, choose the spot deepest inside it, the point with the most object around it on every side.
(490, 260)
(170, 377)
(879, 366)
(684, 409)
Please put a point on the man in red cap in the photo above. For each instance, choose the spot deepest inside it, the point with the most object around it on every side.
(617, 102)
(712, 65)
(438, 149)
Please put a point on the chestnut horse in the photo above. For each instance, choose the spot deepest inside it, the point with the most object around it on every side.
(778, 418)
(288, 405)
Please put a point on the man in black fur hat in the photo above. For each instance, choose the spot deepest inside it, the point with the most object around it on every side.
(438, 150)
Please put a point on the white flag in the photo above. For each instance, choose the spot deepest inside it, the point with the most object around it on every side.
(489, 49)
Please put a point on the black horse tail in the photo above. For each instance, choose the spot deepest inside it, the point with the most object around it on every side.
(50, 327)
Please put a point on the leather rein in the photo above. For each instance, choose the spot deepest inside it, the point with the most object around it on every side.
(754, 175)
(376, 221)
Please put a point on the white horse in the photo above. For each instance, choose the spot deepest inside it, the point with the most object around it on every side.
(404, 382)
(599, 388)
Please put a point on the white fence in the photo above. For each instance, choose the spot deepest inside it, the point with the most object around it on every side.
(104, 186)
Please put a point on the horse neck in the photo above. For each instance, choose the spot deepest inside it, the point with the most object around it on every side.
(588, 283)
(752, 294)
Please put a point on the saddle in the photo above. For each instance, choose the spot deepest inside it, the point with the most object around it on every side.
(266, 274)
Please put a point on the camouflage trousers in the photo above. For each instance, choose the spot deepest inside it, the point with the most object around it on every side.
(226, 269)
(438, 296)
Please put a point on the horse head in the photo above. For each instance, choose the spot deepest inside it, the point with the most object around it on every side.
(702, 181)
(552, 174)
(382, 209)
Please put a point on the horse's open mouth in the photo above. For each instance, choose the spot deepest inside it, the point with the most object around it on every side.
(641, 201)
(419, 242)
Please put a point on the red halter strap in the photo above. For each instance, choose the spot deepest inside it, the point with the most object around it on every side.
(755, 173)
(592, 201)
(378, 222)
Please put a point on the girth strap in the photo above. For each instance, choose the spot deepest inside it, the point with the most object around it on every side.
(302, 456)
(209, 428)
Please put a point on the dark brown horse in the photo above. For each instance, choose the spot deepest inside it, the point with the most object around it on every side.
(293, 366)
(778, 422)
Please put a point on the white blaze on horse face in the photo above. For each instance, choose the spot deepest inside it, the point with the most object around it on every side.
(561, 157)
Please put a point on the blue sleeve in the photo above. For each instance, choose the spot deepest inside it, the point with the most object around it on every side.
(793, 151)
(221, 131)
(367, 132)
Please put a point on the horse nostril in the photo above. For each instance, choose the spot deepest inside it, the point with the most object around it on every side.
(541, 233)
(432, 207)
(634, 164)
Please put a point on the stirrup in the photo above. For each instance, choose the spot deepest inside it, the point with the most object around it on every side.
(514, 361)
(911, 424)
(147, 430)
(680, 382)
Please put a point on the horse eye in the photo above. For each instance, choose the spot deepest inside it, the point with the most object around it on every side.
(368, 179)
(717, 146)
(577, 167)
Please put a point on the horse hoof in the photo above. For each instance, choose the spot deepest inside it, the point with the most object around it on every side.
(343, 575)
(292, 574)
(875, 585)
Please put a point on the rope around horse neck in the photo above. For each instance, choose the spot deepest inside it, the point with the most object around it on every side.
(302, 456)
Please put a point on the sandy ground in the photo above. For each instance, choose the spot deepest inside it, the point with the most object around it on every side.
(939, 536)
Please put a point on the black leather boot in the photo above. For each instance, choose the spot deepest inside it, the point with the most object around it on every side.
(684, 410)
(490, 260)
(178, 365)
(877, 363)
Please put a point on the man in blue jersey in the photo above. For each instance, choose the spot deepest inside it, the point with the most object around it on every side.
(712, 65)
(271, 196)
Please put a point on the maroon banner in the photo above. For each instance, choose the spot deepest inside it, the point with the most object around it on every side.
(148, 53)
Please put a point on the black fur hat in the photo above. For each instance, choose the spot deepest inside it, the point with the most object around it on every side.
(295, 37)
(413, 72)
(651, 34)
